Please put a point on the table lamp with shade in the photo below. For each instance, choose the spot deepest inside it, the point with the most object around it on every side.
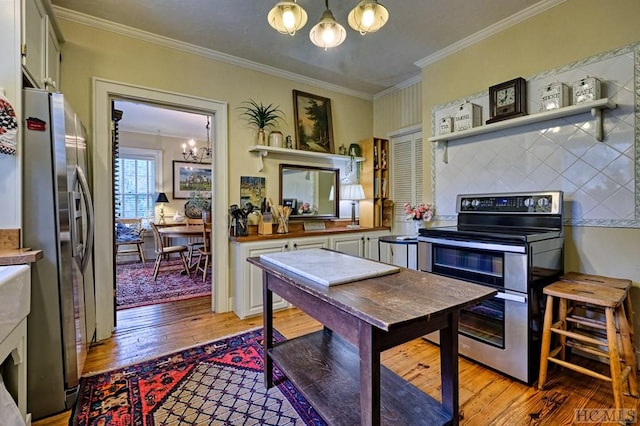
(353, 192)
(162, 198)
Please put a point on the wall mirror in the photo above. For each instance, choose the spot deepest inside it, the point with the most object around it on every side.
(311, 192)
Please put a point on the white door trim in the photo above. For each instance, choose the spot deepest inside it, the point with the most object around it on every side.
(103, 92)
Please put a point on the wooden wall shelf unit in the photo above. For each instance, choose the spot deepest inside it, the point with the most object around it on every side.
(375, 181)
(264, 150)
(595, 107)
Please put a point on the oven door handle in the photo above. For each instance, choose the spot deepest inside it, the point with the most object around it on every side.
(511, 297)
(473, 244)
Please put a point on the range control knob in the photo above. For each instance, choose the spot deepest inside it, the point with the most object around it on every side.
(475, 203)
(543, 202)
(466, 203)
(529, 202)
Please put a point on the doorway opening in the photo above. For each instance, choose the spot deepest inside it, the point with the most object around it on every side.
(104, 92)
(150, 143)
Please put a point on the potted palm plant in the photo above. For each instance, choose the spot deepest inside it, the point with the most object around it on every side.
(261, 116)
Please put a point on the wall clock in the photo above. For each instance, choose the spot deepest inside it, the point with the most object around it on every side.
(507, 100)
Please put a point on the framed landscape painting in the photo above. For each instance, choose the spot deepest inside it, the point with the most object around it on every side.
(189, 177)
(314, 130)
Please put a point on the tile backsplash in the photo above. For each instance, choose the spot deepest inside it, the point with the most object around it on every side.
(598, 178)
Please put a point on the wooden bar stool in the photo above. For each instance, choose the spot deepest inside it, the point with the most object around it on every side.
(621, 283)
(575, 331)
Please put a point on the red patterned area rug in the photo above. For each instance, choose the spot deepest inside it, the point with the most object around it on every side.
(135, 285)
(219, 383)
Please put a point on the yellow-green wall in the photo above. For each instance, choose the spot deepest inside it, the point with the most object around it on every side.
(92, 52)
(571, 31)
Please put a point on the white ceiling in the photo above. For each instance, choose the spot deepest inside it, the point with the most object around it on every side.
(156, 120)
(237, 29)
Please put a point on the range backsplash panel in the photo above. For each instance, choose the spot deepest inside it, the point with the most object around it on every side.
(599, 179)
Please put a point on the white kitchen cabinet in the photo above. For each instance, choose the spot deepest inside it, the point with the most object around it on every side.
(363, 244)
(40, 45)
(371, 246)
(247, 279)
(52, 60)
(351, 243)
(34, 27)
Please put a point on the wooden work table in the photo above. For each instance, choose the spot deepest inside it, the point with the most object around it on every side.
(338, 369)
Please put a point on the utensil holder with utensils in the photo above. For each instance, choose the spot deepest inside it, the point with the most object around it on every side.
(281, 215)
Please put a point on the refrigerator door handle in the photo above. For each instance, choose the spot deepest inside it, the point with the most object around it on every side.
(84, 189)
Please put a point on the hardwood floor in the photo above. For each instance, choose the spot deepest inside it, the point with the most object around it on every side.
(486, 397)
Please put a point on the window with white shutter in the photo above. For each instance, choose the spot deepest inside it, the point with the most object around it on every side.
(406, 164)
(137, 181)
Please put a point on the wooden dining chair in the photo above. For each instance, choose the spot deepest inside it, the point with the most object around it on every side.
(204, 252)
(162, 252)
(193, 243)
(129, 232)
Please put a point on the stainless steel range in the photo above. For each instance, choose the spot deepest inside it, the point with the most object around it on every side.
(514, 243)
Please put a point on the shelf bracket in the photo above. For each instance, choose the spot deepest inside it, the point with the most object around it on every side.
(17, 355)
(445, 151)
(599, 130)
(261, 155)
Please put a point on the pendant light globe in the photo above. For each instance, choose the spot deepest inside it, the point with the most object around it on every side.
(368, 16)
(287, 17)
(327, 33)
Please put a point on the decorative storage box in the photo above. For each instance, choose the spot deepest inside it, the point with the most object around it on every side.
(467, 115)
(445, 126)
(586, 90)
(553, 96)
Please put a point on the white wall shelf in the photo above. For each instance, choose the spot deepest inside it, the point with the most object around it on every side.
(595, 107)
(264, 150)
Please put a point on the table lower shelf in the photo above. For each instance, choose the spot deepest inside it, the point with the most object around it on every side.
(326, 370)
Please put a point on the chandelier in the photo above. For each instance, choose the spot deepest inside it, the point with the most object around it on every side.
(198, 154)
(368, 16)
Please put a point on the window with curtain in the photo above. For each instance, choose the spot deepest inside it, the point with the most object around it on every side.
(406, 164)
(136, 186)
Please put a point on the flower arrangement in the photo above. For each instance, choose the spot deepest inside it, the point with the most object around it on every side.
(306, 208)
(421, 212)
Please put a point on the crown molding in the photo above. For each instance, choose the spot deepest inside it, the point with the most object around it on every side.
(105, 25)
(489, 31)
(402, 85)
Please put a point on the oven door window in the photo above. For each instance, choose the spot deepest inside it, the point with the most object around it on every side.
(480, 266)
(484, 322)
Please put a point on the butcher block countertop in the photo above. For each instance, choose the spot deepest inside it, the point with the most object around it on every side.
(10, 251)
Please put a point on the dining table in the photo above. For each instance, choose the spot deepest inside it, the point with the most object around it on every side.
(181, 231)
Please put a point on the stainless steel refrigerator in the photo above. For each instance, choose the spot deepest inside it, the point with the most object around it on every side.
(58, 219)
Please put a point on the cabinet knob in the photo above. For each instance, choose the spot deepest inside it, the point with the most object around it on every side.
(295, 245)
(286, 246)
